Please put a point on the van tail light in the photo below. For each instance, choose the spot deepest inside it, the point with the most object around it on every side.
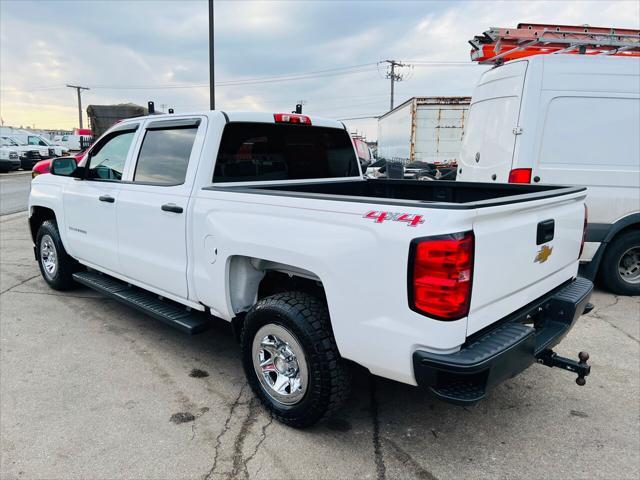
(520, 175)
(440, 274)
(291, 118)
(584, 229)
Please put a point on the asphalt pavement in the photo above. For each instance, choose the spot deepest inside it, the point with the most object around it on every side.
(91, 389)
(14, 191)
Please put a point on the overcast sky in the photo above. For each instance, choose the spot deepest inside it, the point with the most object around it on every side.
(322, 52)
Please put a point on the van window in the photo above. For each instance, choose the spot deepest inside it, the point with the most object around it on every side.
(164, 156)
(262, 151)
(31, 140)
(591, 132)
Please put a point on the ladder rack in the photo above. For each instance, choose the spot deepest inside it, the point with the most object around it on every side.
(499, 45)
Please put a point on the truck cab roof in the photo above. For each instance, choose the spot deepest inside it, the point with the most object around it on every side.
(242, 116)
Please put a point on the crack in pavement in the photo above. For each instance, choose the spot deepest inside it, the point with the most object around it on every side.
(263, 436)
(596, 314)
(21, 283)
(615, 302)
(238, 460)
(225, 429)
(406, 459)
(381, 469)
(598, 317)
(66, 295)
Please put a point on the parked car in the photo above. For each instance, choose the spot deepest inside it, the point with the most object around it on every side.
(9, 159)
(25, 137)
(44, 166)
(567, 120)
(264, 220)
(28, 155)
(363, 152)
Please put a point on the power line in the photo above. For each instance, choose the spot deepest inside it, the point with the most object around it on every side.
(347, 70)
(227, 83)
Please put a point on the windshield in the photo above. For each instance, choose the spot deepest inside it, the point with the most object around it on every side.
(37, 140)
(9, 141)
(18, 141)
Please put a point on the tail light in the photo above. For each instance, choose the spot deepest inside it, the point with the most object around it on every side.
(584, 229)
(291, 118)
(520, 175)
(440, 274)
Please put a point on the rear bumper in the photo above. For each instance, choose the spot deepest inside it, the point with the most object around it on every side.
(9, 164)
(492, 356)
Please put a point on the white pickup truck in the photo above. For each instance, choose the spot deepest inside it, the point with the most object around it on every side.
(264, 220)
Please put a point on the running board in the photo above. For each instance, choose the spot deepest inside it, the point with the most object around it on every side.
(166, 311)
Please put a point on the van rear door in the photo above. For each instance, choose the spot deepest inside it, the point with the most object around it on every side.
(489, 141)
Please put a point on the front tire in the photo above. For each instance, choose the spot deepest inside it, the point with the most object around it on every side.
(291, 360)
(56, 266)
(620, 268)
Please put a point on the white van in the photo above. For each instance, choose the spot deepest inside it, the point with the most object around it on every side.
(569, 120)
(24, 137)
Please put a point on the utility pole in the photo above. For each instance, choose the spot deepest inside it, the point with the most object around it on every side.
(393, 76)
(212, 88)
(78, 88)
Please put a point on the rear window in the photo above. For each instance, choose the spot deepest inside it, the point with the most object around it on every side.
(260, 151)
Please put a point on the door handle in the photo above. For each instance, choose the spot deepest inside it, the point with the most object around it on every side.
(545, 231)
(171, 207)
(106, 198)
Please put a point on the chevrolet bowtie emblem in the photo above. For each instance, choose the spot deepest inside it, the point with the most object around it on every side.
(543, 254)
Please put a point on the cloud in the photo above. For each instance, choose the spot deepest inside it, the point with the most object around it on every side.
(104, 45)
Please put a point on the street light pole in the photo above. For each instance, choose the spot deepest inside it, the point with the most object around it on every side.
(212, 88)
(78, 88)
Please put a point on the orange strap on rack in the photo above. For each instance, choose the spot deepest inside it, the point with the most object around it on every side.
(499, 45)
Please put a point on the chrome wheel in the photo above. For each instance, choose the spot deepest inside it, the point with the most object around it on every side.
(629, 265)
(48, 256)
(279, 363)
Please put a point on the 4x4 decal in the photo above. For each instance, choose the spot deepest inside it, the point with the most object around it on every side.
(411, 219)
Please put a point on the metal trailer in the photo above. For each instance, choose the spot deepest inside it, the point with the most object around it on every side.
(424, 129)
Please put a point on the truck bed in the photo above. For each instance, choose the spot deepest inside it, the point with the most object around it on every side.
(437, 194)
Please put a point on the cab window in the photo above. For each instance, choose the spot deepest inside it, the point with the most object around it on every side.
(107, 160)
(164, 155)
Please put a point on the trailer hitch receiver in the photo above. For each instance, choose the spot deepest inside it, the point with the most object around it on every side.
(552, 359)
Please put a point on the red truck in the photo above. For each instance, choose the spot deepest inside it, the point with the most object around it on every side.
(44, 166)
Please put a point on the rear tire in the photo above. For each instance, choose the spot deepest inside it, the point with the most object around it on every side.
(56, 266)
(291, 360)
(620, 267)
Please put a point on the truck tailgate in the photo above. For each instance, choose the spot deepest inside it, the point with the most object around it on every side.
(514, 262)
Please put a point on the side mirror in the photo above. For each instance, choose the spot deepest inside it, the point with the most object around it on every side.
(65, 167)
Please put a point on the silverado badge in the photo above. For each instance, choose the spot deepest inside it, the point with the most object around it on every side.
(543, 254)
